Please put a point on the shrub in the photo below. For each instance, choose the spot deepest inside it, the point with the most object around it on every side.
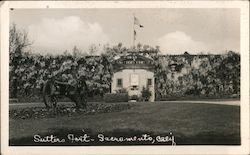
(145, 93)
(123, 90)
(62, 110)
(134, 97)
(116, 97)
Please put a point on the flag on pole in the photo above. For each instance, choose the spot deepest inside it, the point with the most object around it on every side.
(136, 22)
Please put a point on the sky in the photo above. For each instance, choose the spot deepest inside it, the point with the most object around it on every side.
(175, 30)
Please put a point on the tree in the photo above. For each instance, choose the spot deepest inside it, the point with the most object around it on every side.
(77, 53)
(18, 41)
(93, 49)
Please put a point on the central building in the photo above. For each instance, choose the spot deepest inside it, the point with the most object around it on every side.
(133, 72)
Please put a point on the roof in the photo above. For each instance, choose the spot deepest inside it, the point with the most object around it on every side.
(133, 61)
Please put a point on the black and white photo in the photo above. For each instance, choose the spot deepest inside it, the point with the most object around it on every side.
(119, 74)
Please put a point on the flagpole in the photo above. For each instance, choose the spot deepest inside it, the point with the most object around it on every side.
(133, 30)
(133, 41)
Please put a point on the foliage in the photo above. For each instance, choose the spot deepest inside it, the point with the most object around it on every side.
(36, 69)
(195, 75)
(18, 42)
(40, 112)
(123, 90)
(116, 97)
(145, 93)
(200, 75)
(134, 97)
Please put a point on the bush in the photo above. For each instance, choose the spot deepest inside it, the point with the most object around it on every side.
(134, 97)
(123, 90)
(145, 93)
(62, 110)
(116, 97)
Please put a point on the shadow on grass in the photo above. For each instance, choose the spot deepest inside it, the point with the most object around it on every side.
(206, 138)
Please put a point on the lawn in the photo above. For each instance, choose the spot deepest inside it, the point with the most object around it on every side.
(189, 123)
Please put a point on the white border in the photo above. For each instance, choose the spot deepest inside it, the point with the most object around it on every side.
(211, 149)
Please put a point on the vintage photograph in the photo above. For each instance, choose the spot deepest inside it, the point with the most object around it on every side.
(124, 76)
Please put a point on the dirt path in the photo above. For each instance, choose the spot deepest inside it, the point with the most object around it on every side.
(234, 102)
(40, 104)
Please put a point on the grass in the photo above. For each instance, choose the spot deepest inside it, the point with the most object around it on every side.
(190, 123)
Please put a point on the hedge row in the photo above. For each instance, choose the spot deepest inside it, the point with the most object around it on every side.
(116, 97)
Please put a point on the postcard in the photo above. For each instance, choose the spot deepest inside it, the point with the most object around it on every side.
(124, 77)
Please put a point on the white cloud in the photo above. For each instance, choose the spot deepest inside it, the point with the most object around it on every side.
(178, 42)
(58, 35)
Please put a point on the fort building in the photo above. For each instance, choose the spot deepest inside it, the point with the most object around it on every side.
(133, 72)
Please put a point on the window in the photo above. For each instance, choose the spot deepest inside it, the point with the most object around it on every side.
(119, 83)
(149, 83)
